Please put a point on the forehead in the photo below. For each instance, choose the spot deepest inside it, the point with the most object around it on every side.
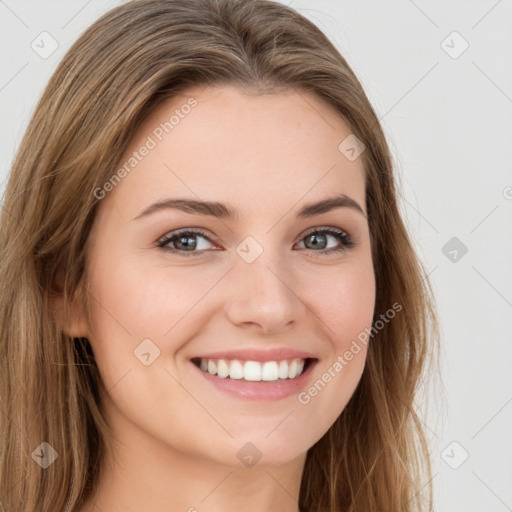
(221, 143)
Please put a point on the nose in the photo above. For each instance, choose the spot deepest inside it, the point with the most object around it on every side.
(263, 296)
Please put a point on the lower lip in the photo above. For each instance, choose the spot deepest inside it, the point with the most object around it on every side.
(260, 390)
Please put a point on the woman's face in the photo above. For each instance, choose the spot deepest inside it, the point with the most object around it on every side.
(249, 280)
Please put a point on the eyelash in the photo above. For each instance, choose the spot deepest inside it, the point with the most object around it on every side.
(346, 240)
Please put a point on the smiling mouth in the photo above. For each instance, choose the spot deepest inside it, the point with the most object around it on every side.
(254, 371)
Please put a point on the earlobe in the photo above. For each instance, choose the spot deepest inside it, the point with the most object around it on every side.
(76, 327)
(71, 319)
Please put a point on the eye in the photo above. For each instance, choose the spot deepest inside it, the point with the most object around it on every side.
(318, 240)
(185, 241)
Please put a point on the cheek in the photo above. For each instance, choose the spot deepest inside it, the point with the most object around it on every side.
(345, 301)
(133, 308)
(136, 302)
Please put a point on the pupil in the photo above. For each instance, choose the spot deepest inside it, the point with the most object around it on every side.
(187, 242)
(315, 239)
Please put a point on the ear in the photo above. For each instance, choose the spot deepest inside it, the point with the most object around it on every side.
(71, 320)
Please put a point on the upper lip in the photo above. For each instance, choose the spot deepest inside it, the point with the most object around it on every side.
(275, 354)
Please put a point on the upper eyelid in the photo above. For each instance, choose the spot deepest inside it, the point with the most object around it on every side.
(324, 228)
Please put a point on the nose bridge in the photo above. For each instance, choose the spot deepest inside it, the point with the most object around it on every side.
(261, 291)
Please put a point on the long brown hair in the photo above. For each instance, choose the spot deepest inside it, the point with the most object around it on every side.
(375, 456)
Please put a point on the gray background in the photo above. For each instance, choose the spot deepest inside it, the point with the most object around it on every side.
(448, 117)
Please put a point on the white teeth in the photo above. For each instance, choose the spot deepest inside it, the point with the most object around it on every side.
(222, 369)
(236, 370)
(253, 370)
(283, 370)
(212, 367)
(269, 371)
(292, 369)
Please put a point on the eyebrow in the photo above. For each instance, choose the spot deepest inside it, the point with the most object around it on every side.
(223, 211)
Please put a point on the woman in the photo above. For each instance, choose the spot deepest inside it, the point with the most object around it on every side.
(210, 300)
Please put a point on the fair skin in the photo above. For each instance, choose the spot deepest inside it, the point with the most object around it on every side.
(177, 433)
